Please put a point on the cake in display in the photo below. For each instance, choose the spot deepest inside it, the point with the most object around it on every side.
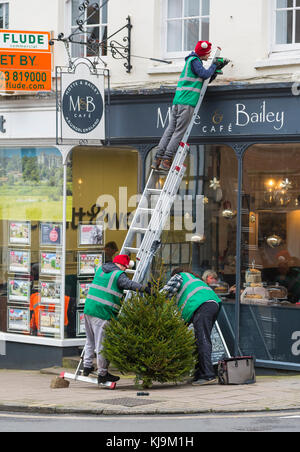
(253, 276)
(254, 287)
(277, 292)
(221, 288)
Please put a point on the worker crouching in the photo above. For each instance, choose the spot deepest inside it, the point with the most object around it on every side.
(200, 306)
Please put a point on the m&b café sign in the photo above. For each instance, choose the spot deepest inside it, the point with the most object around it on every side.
(81, 105)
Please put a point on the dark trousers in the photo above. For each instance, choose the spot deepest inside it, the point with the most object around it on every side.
(181, 117)
(203, 320)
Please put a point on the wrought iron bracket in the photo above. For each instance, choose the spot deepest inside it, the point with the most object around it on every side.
(123, 51)
(119, 50)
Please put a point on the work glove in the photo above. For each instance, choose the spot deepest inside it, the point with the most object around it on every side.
(220, 63)
(147, 289)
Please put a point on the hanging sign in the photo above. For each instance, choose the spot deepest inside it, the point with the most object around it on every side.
(25, 61)
(82, 106)
(81, 116)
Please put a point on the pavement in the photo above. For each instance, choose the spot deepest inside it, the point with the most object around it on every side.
(30, 391)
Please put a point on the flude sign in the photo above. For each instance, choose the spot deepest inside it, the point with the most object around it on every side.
(25, 61)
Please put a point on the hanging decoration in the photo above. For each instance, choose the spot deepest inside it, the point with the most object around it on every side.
(198, 238)
(274, 241)
(277, 193)
(214, 184)
(228, 212)
(286, 184)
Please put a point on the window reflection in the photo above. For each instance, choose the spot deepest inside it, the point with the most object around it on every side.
(271, 219)
(31, 195)
(201, 231)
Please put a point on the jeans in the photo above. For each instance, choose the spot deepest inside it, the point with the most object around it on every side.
(181, 117)
(203, 320)
(95, 330)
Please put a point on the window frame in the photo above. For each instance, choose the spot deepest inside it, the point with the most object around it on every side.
(6, 13)
(181, 53)
(69, 29)
(283, 47)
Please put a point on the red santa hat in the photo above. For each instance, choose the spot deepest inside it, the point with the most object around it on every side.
(203, 48)
(122, 259)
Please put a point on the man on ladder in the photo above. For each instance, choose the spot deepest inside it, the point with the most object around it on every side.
(102, 304)
(185, 100)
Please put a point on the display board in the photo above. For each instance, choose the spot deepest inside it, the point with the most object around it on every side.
(220, 349)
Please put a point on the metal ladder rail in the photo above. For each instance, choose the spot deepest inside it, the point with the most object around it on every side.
(156, 226)
(162, 210)
(164, 204)
(172, 178)
(129, 239)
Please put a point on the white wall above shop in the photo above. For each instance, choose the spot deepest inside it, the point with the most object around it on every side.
(31, 122)
(244, 29)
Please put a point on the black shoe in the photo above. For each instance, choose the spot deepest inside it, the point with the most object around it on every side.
(204, 381)
(87, 371)
(107, 377)
(165, 164)
(156, 163)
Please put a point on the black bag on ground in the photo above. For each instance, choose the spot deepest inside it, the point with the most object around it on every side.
(236, 371)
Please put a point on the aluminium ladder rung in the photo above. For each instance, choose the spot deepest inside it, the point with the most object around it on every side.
(131, 249)
(145, 210)
(154, 191)
(140, 230)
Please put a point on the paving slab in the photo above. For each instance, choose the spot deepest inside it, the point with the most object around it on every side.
(30, 391)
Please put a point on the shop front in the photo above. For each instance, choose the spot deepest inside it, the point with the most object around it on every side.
(60, 217)
(237, 212)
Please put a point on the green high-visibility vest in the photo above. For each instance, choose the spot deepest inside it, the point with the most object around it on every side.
(189, 85)
(104, 296)
(193, 293)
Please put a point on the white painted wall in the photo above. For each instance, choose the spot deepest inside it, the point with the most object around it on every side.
(241, 27)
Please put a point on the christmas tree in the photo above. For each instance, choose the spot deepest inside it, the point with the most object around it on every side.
(151, 340)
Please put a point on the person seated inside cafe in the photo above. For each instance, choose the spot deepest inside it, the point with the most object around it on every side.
(288, 275)
(210, 277)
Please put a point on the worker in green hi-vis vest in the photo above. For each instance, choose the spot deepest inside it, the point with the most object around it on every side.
(184, 103)
(102, 304)
(199, 305)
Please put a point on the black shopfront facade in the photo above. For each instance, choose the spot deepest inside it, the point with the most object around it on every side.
(244, 169)
(237, 212)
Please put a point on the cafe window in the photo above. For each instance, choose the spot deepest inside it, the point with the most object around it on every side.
(187, 22)
(201, 231)
(270, 279)
(271, 213)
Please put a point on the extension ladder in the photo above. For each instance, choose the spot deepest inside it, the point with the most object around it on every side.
(147, 226)
(147, 235)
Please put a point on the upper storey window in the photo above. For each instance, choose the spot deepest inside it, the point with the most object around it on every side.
(187, 22)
